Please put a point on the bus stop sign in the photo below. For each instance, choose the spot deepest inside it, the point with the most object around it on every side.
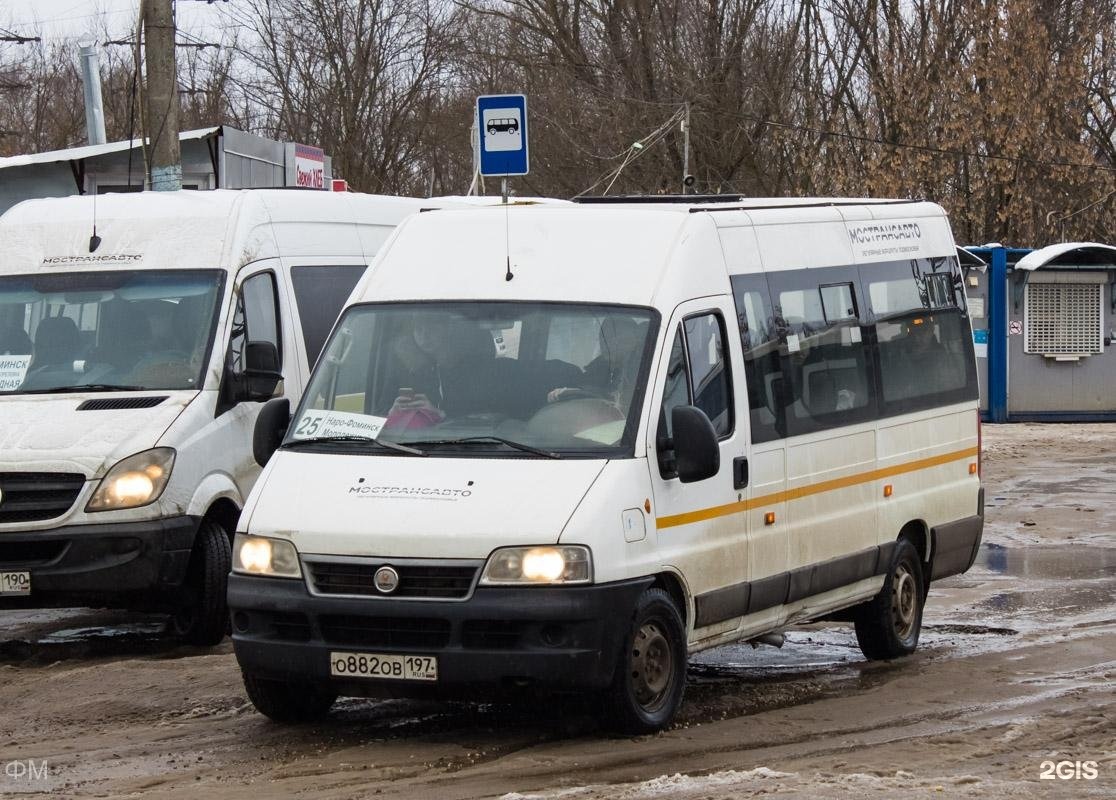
(502, 133)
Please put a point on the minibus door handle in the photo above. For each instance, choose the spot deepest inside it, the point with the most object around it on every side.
(740, 472)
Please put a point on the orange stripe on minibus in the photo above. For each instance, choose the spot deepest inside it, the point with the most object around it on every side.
(713, 512)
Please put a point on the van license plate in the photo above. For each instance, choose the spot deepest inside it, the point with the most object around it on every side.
(383, 666)
(18, 583)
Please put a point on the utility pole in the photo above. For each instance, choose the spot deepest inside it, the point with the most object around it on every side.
(686, 179)
(94, 106)
(165, 169)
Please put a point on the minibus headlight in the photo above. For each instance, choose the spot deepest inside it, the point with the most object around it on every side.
(134, 481)
(261, 555)
(527, 566)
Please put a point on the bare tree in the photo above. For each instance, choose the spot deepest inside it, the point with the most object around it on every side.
(361, 78)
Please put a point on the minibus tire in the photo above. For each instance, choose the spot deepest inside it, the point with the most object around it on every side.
(642, 699)
(288, 701)
(888, 625)
(203, 619)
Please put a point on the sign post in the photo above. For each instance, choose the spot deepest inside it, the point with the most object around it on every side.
(502, 133)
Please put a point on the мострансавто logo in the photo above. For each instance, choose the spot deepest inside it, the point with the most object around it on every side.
(363, 489)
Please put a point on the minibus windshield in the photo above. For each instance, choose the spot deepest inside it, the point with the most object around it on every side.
(469, 378)
(102, 331)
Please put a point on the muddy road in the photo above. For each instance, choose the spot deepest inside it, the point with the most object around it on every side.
(1013, 681)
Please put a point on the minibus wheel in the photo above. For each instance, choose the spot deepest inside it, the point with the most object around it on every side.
(288, 701)
(888, 625)
(202, 617)
(650, 676)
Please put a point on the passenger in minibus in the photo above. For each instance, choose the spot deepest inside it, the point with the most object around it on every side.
(444, 366)
(14, 341)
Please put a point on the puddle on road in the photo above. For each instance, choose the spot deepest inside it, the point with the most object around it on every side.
(61, 634)
(1082, 563)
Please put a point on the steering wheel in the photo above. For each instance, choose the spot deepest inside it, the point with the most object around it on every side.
(164, 358)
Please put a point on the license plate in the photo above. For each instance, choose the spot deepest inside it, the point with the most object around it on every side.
(383, 666)
(15, 583)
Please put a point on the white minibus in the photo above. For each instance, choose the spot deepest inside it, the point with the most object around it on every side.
(139, 336)
(702, 423)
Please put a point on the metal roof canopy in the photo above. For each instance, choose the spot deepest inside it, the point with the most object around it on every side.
(1070, 255)
(971, 260)
(94, 150)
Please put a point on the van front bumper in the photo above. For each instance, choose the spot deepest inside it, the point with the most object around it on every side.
(559, 637)
(105, 564)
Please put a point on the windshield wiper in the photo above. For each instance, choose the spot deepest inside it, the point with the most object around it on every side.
(401, 448)
(526, 448)
(89, 387)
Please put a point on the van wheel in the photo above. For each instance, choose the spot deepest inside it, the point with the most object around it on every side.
(202, 617)
(288, 701)
(650, 677)
(887, 626)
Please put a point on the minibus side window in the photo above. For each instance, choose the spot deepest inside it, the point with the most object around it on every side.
(321, 292)
(257, 314)
(925, 356)
(760, 343)
(826, 363)
(709, 376)
(677, 390)
(697, 375)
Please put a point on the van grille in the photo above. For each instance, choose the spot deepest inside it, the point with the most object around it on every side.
(33, 496)
(416, 581)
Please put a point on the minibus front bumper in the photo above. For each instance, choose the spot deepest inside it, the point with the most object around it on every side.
(103, 564)
(559, 637)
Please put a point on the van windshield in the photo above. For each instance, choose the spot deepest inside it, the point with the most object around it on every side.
(88, 331)
(566, 379)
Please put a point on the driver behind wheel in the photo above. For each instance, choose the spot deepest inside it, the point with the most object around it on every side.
(612, 373)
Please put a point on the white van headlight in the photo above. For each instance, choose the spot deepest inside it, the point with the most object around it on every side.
(538, 565)
(134, 481)
(262, 555)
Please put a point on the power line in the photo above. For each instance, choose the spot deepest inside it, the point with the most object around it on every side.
(131, 43)
(38, 23)
(634, 151)
(10, 36)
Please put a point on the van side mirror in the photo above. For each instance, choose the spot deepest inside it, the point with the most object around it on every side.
(697, 455)
(271, 426)
(261, 370)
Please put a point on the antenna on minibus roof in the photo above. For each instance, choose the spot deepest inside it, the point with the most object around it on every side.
(94, 240)
(507, 225)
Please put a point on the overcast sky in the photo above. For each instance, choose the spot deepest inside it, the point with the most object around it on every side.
(79, 18)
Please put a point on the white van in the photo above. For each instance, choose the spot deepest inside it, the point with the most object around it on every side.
(139, 334)
(705, 423)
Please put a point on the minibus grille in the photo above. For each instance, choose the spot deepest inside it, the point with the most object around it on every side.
(33, 496)
(385, 631)
(416, 581)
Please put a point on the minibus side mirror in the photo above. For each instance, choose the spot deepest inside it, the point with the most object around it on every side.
(271, 426)
(261, 370)
(697, 455)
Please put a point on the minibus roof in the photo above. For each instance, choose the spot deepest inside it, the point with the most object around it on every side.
(603, 253)
(192, 228)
